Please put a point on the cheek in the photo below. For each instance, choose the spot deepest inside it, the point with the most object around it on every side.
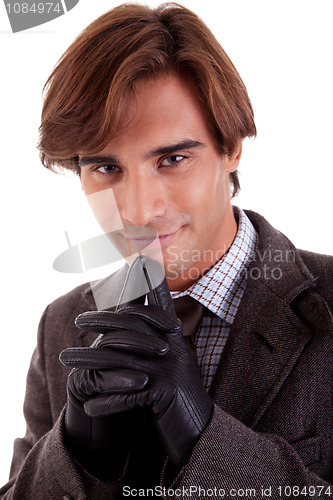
(207, 193)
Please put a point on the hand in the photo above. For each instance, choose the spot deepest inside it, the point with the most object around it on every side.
(101, 445)
(147, 341)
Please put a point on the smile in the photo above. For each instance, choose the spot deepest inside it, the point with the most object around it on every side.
(150, 241)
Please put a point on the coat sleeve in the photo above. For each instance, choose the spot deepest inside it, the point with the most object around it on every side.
(243, 462)
(42, 467)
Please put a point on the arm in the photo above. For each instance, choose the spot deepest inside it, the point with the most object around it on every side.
(42, 467)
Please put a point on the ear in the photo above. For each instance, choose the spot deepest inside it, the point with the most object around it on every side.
(232, 162)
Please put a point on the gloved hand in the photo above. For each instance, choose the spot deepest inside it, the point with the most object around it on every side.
(146, 341)
(100, 444)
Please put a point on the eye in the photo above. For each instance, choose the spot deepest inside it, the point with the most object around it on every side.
(171, 160)
(107, 169)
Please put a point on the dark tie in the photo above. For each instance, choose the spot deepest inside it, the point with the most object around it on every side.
(189, 311)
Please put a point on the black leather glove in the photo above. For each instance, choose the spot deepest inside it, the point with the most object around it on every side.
(146, 340)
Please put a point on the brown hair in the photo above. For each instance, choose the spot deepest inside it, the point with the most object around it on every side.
(88, 93)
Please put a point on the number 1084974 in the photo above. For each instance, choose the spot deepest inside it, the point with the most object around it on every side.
(35, 8)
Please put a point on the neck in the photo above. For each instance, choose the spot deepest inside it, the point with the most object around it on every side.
(210, 256)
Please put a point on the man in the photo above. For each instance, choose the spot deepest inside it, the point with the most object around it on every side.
(148, 109)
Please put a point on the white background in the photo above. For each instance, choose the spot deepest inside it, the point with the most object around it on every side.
(283, 51)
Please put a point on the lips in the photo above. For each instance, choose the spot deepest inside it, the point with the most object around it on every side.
(137, 233)
(138, 240)
(144, 242)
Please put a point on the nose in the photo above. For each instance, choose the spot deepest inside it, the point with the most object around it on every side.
(142, 199)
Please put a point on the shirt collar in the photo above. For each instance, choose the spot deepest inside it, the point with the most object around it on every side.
(219, 289)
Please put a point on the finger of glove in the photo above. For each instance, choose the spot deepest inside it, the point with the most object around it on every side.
(150, 271)
(84, 384)
(101, 359)
(134, 342)
(115, 403)
(159, 293)
(137, 316)
(143, 277)
(135, 284)
(160, 297)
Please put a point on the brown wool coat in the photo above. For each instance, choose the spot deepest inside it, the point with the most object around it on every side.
(272, 421)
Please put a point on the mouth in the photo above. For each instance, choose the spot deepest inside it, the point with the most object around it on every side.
(158, 240)
(140, 241)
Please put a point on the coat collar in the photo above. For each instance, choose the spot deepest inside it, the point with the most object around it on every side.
(282, 272)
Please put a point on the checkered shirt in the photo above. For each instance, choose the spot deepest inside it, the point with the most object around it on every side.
(220, 290)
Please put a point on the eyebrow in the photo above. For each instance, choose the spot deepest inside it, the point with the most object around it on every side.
(162, 150)
(88, 160)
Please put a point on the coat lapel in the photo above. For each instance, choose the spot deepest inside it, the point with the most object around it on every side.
(269, 332)
(260, 353)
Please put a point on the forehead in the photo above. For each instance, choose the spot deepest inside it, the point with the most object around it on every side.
(168, 96)
(164, 110)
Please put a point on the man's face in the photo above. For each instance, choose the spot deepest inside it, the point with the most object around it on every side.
(167, 178)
